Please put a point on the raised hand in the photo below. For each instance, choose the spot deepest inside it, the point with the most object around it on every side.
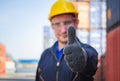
(75, 56)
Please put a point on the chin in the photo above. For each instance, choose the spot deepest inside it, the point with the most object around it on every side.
(63, 41)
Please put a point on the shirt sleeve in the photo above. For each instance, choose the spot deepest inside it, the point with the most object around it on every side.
(92, 61)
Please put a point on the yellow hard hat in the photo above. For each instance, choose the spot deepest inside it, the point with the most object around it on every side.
(61, 7)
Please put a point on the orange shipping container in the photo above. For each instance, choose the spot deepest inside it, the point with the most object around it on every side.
(3, 60)
(83, 16)
(113, 55)
(2, 50)
(2, 68)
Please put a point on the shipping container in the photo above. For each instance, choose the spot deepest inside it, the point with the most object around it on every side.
(2, 50)
(113, 55)
(113, 41)
(113, 14)
(26, 66)
(83, 16)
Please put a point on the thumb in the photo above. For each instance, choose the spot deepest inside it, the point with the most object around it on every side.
(71, 35)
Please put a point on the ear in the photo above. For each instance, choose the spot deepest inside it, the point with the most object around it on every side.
(52, 27)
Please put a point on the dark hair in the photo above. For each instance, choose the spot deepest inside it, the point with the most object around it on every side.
(74, 15)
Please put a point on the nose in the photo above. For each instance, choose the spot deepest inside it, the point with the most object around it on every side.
(63, 28)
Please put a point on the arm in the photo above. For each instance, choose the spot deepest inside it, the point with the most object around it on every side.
(39, 69)
(92, 60)
(37, 73)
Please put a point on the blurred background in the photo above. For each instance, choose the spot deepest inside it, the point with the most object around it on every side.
(25, 32)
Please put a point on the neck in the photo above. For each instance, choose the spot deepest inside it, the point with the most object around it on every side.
(61, 45)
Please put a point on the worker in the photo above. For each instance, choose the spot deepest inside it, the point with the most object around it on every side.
(68, 59)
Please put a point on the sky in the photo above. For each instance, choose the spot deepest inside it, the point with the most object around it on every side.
(21, 26)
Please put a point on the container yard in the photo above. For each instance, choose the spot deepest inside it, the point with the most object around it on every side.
(99, 26)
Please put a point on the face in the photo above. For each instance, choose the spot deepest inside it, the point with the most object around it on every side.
(60, 25)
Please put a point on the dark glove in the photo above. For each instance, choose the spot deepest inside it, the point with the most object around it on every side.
(75, 55)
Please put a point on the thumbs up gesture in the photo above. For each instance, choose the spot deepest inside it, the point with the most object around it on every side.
(75, 55)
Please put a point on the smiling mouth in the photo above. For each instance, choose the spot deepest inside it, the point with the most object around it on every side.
(64, 35)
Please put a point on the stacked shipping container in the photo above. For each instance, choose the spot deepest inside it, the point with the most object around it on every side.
(113, 41)
(2, 59)
(7, 66)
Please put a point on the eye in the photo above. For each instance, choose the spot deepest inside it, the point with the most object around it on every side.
(67, 22)
(56, 25)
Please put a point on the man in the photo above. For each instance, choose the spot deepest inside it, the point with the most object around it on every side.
(68, 59)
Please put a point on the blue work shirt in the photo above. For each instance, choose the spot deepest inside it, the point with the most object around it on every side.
(59, 53)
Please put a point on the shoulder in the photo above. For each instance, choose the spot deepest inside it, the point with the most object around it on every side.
(45, 53)
(88, 46)
(89, 49)
(48, 51)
